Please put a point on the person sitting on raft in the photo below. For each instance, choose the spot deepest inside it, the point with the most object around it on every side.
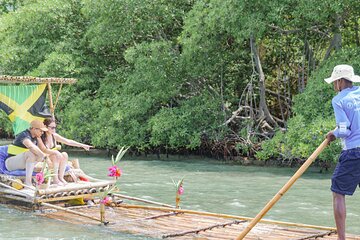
(48, 144)
(24, 152)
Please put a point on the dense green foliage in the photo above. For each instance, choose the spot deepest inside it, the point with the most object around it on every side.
(165, 74)
(313, 118)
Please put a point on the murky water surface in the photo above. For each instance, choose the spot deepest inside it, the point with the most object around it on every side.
(209, 186)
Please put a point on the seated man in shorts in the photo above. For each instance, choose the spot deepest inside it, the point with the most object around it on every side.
(26, 143)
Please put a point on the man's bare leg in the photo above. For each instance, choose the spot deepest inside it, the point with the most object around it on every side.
(28, 172)
(30, 162)
(339, 214)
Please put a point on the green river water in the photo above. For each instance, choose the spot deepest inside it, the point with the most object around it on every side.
(209, 186)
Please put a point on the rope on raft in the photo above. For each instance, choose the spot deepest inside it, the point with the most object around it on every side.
(153, 217)
(318, 235)
(203, 229)
(161, 215)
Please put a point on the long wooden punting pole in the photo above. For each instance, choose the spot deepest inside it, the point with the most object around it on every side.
(283, 190)
(223, 216)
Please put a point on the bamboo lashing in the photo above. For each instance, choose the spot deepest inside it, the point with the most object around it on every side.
(202, 229)
(224, 216)
(29, 79)
(159, 216)
(166, 215)
(142, 200)
(72, 211)
(284, 189)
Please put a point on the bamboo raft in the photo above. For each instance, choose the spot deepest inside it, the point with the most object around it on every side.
(151, 219)
(167, 223)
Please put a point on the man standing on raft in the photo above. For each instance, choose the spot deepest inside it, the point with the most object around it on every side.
(346, 176)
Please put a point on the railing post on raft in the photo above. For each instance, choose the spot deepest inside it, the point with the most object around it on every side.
(52, 110)
(283, 190)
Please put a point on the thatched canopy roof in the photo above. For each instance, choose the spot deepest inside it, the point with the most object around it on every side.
(28, 79)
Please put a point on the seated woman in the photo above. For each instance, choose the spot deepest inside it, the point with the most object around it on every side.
(47, 144)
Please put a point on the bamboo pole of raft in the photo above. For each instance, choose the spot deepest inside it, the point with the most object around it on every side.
(77, 187)
(58, 95)
(73, 212)
(24, 185)
(11, 191)
(28, 79)
(52, 110)
(16, 198)
(283, 190)
(224, 216)
(15, 190)
(142, 200)
(54, 199)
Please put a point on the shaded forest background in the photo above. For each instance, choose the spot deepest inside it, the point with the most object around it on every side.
(226, 79)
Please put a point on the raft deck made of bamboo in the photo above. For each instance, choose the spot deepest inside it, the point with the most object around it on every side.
(161, 221)
(169, 223)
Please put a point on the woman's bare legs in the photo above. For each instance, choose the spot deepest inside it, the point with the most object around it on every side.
(56, 160)
(62, 167)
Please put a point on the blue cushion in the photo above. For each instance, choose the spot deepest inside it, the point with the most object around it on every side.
(20, 172)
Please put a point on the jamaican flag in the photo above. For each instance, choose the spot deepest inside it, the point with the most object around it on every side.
(23, 103)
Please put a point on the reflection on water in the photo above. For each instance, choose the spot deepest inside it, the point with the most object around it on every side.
(209, 186)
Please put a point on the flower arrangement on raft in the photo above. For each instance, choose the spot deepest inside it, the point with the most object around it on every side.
(43, 178)
(113, 171)
(179, 191)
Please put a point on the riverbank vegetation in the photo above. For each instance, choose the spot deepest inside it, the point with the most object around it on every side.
(225, 79)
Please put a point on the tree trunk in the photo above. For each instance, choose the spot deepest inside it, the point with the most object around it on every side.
(263, 109)
(357, 39)
(336, 41)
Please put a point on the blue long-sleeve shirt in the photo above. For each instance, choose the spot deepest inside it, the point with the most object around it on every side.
(346, 106)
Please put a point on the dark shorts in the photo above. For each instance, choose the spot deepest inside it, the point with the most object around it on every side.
(346, 175)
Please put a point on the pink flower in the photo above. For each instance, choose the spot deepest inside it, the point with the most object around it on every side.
(105, 200)
(114, 171)
(40, 178)
(180, 190)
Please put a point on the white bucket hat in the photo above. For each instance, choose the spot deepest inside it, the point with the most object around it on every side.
(343, 71)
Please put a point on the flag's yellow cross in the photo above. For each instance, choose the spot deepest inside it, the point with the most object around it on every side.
(21, 110)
